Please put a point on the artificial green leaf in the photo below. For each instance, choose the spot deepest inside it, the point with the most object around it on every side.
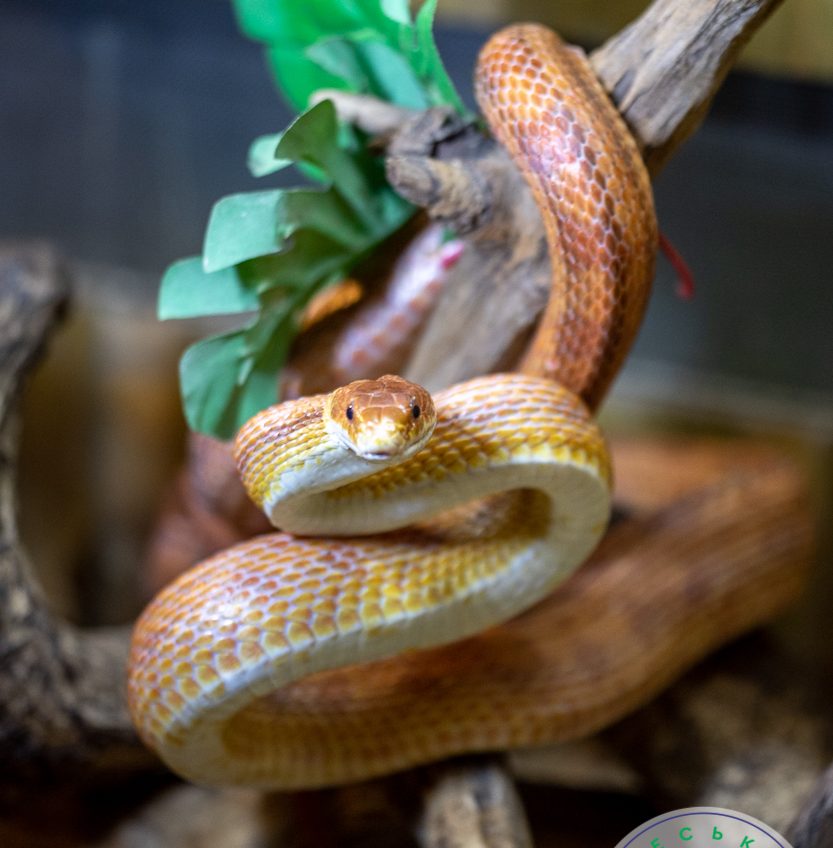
(337, 56)
(310, 257)
(241, 227)
(262, 380)
(429, 64)
(260, 20)
(288, 28)
(312, 138)
(274, 250)
(261, 159)
(210, 374)
(228, 378)
(323, 211)
(288, 21)
(391, 75)
(388, 18)
(259, 223)
(369, 66)
(298, 76)
(187, 291)
(396, 10)
(268, 341)
(394, 211)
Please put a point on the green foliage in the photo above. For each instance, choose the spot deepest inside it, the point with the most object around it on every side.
(267, 253)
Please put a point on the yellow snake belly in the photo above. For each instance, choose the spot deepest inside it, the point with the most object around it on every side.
(213, 649)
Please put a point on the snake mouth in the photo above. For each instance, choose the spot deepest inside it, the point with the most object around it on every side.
(381, 444)
(397, 451)
(392, 451)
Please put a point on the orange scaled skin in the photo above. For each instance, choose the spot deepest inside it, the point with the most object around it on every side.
(547, 108)
(347, 338)
(543, 103)
(383, 417)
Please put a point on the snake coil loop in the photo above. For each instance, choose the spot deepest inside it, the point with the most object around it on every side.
(219, 673)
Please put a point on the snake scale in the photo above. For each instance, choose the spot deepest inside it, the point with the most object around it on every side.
(385, 548)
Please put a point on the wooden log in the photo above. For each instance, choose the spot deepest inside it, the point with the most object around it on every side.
(813, 825)
(664, 69)
(662, 72)
(473, 805)
(61, 701)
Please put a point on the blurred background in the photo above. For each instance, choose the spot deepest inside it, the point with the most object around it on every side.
(121, 123)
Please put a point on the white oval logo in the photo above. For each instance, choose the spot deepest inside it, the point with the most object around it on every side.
(704, 827)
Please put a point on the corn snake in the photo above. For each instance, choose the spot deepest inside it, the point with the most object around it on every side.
(212, 648)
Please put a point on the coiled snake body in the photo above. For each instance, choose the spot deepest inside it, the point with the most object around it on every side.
(214, 654)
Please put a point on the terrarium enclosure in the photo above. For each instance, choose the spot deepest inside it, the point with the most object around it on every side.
(124, 124)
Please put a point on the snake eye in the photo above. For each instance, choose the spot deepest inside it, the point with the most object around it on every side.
(415, 410)
(350, 412)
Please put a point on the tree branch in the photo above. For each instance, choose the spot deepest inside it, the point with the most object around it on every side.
(664, 69)
(61, 692)
(473, 805)
(813, 826)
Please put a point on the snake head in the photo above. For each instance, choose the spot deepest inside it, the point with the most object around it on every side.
(381, 419)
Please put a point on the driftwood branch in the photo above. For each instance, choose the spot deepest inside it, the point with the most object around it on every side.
(474, 806)
(813, 826)
(60, 689)
(745, 731)
(662, 72)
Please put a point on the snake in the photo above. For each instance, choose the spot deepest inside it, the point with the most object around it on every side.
(349, 331)
(376, 334)
(409, 521)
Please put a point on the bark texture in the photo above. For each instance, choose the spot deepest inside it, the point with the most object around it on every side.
(61, 700)
(662, 72)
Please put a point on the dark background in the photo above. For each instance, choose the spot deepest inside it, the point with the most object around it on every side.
(122, 122)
